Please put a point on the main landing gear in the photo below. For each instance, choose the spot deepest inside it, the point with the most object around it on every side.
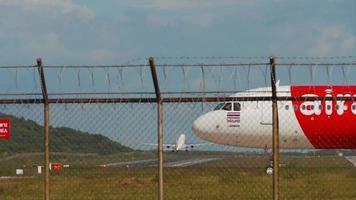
(269, 168)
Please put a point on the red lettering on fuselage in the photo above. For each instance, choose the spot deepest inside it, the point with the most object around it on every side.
(327, 124)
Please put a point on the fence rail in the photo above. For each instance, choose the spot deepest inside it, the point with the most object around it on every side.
(164, 99)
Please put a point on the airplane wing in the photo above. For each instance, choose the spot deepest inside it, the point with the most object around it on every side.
(168, 146)
(197, 145)
(201, 144)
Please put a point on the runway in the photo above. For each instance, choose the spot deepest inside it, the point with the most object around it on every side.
(187, 163)
(132, 164)
(153, 163)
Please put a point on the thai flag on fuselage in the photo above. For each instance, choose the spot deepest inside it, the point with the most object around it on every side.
(233, 115)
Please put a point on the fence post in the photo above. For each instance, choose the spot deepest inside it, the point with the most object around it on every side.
(159, 127)
(275, 130)
(46, 127)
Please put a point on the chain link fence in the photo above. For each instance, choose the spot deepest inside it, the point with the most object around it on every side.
(217, 127)
(22, 153)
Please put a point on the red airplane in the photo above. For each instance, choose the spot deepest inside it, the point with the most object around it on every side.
(304, 124)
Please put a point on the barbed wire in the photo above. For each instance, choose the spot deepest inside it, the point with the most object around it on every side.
(317, 64)
(226, 92)
(243, 57)
(315, 58)
(258, 57)
(206, 78)
(214, 99)
(177, 65)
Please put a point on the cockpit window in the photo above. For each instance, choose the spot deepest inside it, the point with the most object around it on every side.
(237, 107)
(227, 106)
(219, 106)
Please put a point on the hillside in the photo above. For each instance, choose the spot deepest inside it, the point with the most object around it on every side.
(27, 136)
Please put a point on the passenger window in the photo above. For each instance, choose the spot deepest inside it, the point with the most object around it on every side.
(353, 107)
(328, 107)
(287, 107)
(237, 107)
(320, 107)
(311, 107)
(227, 106)
(337, 107)
(303, 107)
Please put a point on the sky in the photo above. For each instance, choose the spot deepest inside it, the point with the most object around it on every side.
(87, 32)
(118, 31)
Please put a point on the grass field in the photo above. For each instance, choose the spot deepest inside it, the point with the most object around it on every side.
(237, 176)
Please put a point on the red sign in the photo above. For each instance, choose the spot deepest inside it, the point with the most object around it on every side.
(4, 128)
(57, 167)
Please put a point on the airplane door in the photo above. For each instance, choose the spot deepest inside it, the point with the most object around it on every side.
(266, 112)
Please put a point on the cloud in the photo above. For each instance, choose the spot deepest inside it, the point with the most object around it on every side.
(199, 19)
(173, 5)
(202, 20)
(183, 4)
(45, 43)
(54, 6)
(52, 41)
(331, 40)
(349, 43)
(101, 54)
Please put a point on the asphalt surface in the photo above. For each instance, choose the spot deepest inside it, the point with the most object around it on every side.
(153, 162)
(190, 162)
(132, 164)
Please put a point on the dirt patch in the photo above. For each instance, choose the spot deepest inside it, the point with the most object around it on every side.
(131, 182)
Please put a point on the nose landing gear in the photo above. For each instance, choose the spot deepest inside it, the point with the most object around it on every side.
(269, 170)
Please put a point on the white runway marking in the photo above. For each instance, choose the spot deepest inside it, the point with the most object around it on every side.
(186, 163)
(137, 163)
(153, 163)
(352, 159)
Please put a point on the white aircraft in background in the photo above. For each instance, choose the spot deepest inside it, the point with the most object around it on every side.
(180, 145)
(317, 124)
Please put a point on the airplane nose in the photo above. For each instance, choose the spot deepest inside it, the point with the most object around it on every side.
(203, 126)
(213, 127)
(198, 126)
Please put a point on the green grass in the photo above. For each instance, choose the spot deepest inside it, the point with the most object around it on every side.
(236, 177)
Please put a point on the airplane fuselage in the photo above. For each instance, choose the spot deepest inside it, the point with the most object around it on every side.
(322, 124)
